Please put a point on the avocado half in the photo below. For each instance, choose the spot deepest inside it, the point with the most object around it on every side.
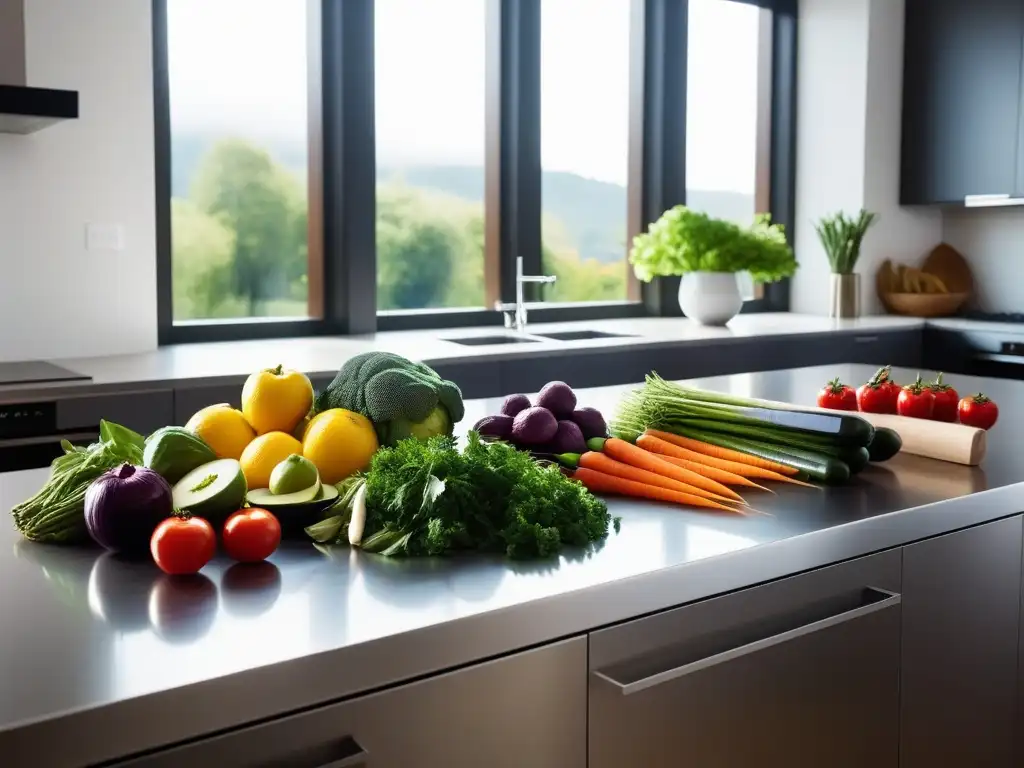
(294, 515)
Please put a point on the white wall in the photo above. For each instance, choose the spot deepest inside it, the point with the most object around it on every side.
(992, 241)
(850, 64)
(56, 298)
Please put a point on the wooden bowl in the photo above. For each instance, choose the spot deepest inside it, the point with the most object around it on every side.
(924, 304)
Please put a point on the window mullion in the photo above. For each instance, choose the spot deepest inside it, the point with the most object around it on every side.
(513, 203)
(349, 166)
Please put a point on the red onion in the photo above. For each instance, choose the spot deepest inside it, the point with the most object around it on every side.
(123, 506)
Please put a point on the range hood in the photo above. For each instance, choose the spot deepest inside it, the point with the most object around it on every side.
(27, 110)
(24, 109)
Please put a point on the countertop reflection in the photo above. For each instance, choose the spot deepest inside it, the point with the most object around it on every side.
(83, 630)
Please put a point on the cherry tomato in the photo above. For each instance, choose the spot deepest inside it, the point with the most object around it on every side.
(916, 401)
(879, 394)
(183, 545)
(978, 411)
(946, 400)
(251, 535)
(837, 396)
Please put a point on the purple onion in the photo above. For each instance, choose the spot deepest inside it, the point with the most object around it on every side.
(123, 506)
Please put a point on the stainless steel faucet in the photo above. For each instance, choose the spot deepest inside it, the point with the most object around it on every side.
(518, 319)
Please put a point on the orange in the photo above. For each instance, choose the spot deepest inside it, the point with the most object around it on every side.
(223, 428)
(263, 454)
(339, 443)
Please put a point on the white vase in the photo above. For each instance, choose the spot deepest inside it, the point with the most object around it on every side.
(710, 298)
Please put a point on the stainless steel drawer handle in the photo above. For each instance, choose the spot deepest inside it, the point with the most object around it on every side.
(875, 600)
(357, 756)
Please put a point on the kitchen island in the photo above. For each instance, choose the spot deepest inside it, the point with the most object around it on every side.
(606, 655)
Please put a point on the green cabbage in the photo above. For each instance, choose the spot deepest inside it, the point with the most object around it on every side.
(438, 422)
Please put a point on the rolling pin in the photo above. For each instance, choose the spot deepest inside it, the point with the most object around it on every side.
(922, 437)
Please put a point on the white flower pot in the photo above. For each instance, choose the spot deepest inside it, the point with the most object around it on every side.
(710, 298)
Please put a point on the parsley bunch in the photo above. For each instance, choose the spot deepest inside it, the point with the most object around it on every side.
(683, 241)
(428, 498)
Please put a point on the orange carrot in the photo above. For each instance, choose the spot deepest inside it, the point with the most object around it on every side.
(673, 454)
(664, 450)
(600, 462)
(722, 453)
(599, 482)
(638, 457)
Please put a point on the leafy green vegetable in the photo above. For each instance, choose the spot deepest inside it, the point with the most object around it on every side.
(428, 498)
(841, 238)
(683, 241)
(57, 513)
(402, 398)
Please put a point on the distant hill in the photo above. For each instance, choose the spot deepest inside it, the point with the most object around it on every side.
(592, 212)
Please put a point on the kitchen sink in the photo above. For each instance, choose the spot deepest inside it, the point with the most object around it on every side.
(485, 341)
(581, 335)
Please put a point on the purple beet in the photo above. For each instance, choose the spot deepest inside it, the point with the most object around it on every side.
(591, 422)
(534, 426)
(557, 397)
(568, 439)
(499, 426)
(514, 404)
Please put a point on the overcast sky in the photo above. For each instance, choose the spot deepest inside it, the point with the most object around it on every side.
(239, 66)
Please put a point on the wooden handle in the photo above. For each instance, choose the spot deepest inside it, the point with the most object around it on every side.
(922, 437)
(935, 439)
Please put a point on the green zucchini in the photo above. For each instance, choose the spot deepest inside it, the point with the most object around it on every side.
(856, 458)
(769, 434)
(885, 444)
(817, 465)
(843, 427)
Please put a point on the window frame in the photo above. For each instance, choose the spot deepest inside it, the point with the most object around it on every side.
(342, 166)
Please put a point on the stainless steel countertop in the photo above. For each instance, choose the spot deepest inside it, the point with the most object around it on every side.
(231, 362)
(101, 658)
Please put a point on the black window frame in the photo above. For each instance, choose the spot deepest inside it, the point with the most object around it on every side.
(342, 148)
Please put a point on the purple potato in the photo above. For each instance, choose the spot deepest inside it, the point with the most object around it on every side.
(591, 422)
(557, 397)
(499, 426)
(534, 426)
(568, 439)
(514, 404)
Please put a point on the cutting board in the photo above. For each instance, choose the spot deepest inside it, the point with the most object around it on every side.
(947, 264)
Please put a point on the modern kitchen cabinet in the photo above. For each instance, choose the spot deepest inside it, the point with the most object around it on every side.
(961, 613)
(528, 709)
(961, 100)
(802, 672)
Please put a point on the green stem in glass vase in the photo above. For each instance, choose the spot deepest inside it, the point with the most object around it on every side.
(841, 237)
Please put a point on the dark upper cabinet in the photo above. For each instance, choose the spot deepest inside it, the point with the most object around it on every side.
(961, 100)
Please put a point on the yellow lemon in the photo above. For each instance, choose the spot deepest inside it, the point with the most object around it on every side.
(276, 400)
(223, 428)
(263, 454)
(339, 443)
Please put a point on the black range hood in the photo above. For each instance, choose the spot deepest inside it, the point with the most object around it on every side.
(27, 110)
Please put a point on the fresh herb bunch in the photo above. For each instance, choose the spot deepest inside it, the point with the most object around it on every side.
(428, 498)
(683, 241)
(57, 513)
(841, 238)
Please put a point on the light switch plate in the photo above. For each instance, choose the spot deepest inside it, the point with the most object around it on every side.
(104, 237)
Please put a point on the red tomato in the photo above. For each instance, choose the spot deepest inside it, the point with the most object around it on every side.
(946, 400)
(978, 411)
(251, 535)
(183, 545)
(837, 396)
(916, 401)
(880, 393)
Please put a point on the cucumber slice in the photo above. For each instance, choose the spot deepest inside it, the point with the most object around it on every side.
(211, 491)
(261, 497)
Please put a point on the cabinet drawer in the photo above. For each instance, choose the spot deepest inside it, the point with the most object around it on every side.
(799, 672)
(524, 710)
(188, 400)
(142, 411)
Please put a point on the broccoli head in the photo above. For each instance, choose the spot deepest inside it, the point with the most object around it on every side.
(401, 398)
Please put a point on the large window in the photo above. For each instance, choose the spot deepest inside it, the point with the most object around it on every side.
(237, 89)
(343, 167)
(430, 111)
(584, 146)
